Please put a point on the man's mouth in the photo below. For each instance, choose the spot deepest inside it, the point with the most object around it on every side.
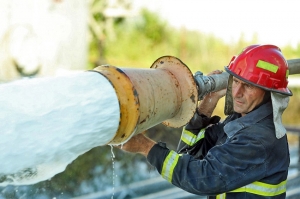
(239, 102)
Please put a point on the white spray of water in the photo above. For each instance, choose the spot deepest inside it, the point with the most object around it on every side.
(46, 123)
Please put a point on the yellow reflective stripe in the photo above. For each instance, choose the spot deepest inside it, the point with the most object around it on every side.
(221, 196)
(267, 66)
(189, 138)
(169, 165)
(200, 134)
(263, 189)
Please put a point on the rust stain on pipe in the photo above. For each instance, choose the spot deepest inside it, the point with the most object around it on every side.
(128, 101)
(166, 93)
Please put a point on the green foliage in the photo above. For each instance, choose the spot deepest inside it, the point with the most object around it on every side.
(154, 29)
(143, 39)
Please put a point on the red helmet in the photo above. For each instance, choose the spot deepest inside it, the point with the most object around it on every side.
(263, 66)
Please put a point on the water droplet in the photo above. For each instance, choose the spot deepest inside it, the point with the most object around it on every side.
(112, 151)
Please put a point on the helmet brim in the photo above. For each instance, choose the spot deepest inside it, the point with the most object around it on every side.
(284, 91)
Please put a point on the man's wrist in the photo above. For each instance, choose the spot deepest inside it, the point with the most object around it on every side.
(148, 144)
(147, 149)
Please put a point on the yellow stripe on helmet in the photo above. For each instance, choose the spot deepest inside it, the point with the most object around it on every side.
(267, 66)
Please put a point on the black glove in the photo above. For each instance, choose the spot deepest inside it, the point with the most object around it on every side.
(198, 122)
(201, 121)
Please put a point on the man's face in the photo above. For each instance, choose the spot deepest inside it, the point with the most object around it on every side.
(245, 96)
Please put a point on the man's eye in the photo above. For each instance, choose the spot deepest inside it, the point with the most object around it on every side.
(249, 86)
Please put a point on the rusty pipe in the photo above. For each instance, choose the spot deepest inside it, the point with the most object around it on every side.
(166, 93)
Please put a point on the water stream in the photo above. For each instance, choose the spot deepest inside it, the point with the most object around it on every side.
(113, 169)
(46, 123)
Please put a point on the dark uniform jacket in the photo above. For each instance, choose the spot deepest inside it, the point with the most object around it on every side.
(238, 158)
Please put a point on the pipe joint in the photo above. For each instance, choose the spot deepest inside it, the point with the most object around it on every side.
(205, 84)
(166, 93)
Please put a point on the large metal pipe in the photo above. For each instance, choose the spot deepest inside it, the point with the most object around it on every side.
(294, 66)
(164, 93)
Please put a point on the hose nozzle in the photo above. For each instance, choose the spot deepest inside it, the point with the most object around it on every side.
(207, 84)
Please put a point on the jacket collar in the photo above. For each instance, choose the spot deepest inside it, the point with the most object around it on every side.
(250, 119)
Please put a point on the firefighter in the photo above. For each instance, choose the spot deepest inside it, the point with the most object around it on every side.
(246, 155)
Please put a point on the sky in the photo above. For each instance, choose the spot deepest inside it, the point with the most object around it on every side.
(273, 21)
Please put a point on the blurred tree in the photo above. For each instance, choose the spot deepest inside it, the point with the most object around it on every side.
(152, 27)
(103, 15)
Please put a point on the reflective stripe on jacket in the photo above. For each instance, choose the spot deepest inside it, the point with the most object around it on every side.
(189, 138)
(239, 158)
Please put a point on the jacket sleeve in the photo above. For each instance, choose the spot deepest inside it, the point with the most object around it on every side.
(196, 139)
(224, 168)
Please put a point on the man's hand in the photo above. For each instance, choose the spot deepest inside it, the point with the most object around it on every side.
(138, 144)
